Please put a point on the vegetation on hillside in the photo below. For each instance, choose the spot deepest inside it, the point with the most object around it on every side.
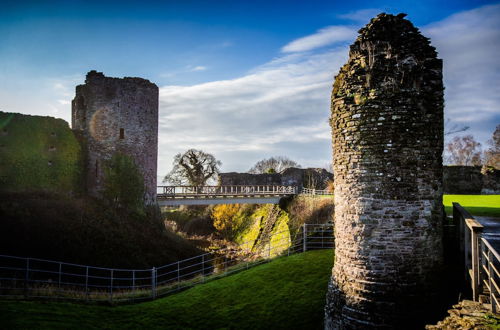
(86, 231)
(287, 293)
(251, 226)
(38, 154)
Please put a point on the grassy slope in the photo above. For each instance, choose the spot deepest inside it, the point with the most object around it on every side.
(481, 205)
(288, 292)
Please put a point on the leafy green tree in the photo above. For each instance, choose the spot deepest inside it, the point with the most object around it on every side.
(194, 167)
(123, 183)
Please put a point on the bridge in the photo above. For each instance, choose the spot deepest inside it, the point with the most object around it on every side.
(238, 194)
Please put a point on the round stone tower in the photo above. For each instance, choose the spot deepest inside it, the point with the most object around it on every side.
(387, 127)
(117, 115)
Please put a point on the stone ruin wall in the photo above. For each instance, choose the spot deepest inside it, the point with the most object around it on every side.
(470, 180)
(117, 115)
(290, 177)
(238, 179)
(387, 127)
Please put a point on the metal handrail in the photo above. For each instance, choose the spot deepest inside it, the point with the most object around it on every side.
(231, 190)
(316, 192)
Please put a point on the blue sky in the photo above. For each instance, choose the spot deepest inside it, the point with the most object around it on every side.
(243, 80)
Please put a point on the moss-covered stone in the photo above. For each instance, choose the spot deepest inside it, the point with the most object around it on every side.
(38, 154)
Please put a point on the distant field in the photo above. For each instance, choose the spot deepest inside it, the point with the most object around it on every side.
(481, 205)
(287, 293)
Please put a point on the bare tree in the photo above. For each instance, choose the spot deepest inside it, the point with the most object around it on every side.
(194, 167)
(450, 128)
(492, 155)
(464, 150)
(275, 164)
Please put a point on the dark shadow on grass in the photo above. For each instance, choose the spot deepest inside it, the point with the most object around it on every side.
(479, 211)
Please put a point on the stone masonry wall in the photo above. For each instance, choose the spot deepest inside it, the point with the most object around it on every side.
(470, 180)
(314, 178)
(387, 127)
(236, 179)
(300, 177)
(117, 115)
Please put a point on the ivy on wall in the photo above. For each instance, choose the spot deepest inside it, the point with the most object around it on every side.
(38, 154)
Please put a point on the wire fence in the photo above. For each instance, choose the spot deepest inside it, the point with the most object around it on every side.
(30, 278)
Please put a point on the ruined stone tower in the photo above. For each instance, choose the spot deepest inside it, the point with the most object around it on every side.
(117, 115)
(387, 126)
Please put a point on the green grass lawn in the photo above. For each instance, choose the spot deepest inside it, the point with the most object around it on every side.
(287, 293)
(480, 205)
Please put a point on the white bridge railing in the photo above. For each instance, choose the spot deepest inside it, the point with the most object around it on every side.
(224, 191)
(315, 192)
(45, 279)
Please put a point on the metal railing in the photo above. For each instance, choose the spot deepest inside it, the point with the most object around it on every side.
(481, 260)
(315, 192)
(38, 278)
(224, 191)
(489, 275)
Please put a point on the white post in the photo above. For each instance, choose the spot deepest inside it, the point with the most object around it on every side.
(304, 234)
(203, 268)
(27, 276)
(178, 273)
(133, 281)
(111, 287)
(60, 268)
(153, 284)
(87, 283)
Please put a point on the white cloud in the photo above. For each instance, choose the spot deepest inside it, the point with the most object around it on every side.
(324, 37)
(198, 68)
(282, 107)
(469, 44)
(362, 16)
(278, 108)
(64, 102)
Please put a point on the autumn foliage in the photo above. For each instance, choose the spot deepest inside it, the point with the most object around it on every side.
(223, 217)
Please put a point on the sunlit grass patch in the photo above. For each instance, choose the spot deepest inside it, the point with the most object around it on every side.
(288, 292)
(480, 205)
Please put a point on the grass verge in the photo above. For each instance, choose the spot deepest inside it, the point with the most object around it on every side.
(288, 292)
(480, 205)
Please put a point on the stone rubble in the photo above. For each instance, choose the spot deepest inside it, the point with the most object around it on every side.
(467, 315)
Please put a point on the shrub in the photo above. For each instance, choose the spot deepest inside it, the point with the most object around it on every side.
(309, 210)
(330, 186)
(223, 217)
(124, 184)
